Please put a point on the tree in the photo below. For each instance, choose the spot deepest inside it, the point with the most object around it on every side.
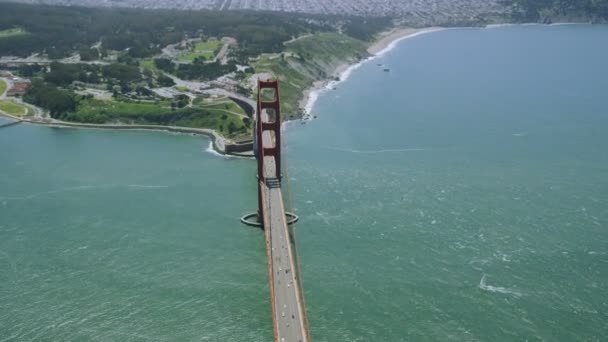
(93, 78)
(204, 71)
(60, 75)
(57, 102)
(164, 64)
(28, 70)
(182, 100)
(141, 33)
(231, 127)
(143, 91)
(121, 72)
(88, 54)
(245, 91)
(247, 122)
(124, 87)
(165, 81)
(199, 60)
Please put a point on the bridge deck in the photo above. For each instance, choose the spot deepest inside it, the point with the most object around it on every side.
(288, 312)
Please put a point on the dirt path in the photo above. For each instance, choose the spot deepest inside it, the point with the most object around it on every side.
(222, 54)
(9, 85)
(296, 39)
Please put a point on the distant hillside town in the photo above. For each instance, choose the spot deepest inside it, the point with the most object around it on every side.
(412, 12)
(417, 10)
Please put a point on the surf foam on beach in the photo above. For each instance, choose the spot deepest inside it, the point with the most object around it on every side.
(211, 150)
(344, 75)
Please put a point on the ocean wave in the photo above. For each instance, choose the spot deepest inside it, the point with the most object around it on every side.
(496, 289)
(83, 188)
(52, 192)
(378, 151)
(491, 26)
(313, 96)
(566, 23)
(140, 186)
(211, 150)
(394, 43)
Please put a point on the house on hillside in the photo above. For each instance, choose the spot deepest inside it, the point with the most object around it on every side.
(20, 86)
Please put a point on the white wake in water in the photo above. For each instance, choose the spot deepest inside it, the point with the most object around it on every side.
(496, 289)
(211, 150)
(139, 186)
(314, 94)
(83, 188)
(378, 151)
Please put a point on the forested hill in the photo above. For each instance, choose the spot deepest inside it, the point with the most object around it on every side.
(59, 31)
(547, 11)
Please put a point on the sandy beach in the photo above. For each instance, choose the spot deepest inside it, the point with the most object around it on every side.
(384, 43)
(388, 37)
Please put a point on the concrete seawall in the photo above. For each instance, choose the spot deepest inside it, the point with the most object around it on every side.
(239, 147)
(218, 141)
(10, 124)
(220, 144)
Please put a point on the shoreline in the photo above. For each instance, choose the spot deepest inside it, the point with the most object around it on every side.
(383, 44)
(217, 143)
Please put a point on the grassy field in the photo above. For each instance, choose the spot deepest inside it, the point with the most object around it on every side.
(217, 120)
(160, 113)
(308, 60)
(201, 49)
(12, 108)
(16, 31)
(92, 107)
(148, 63)
(3, 86)
(225, 109)
(222, 104)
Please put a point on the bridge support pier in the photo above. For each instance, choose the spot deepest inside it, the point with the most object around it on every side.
(253, 219)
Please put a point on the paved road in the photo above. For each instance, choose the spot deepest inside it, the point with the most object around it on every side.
(223, 92)
(39, 113)
(39, 60)
(296, 39)
(205, 88)
(9, 85)
(288, 310)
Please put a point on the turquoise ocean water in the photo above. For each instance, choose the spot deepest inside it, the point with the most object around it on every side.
(461, 196)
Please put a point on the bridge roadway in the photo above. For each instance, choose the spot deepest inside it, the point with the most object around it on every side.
(287, 310)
